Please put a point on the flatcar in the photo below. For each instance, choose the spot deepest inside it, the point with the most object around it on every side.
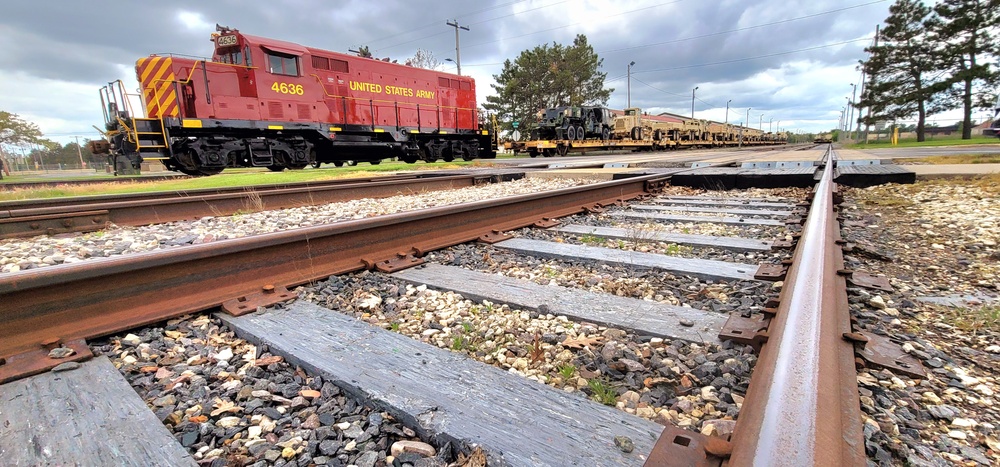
(262, 102)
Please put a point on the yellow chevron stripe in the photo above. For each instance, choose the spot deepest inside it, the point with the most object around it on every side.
(160, 73)
(154, 64)
(171, 111)
(166, 103)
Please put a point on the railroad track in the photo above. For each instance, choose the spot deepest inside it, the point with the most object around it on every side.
(91, 213)
(801, 406)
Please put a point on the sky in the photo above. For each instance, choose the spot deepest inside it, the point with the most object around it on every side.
(792, 62)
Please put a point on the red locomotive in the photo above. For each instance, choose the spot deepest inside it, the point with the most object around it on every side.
(267, 103)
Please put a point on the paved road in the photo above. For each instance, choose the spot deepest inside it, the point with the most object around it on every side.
(892, 153)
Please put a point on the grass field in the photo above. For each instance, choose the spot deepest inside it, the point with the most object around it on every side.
(954, 159)
(228, 178)
(912, 143)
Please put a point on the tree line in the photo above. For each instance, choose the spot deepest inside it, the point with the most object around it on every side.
(929, 59)
(21, 138)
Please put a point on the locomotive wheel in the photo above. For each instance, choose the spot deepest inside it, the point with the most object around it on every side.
(338, 164)
(297, 166)
(275, 168)
(571, 133)
(562, 150)
(605, 134)
(193, 173)
(409, 159)
(372, 162)
(352, 163)
(580, 134)
(548, 152)
(533, 153)
(316, 164)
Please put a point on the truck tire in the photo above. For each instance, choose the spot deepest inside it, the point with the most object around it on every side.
(580, 133)
(571, 133)
(637, 133)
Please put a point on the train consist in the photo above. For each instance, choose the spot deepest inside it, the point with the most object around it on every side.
(267, 103)
(581, 129)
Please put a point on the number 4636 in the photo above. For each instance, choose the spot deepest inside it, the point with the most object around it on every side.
(286, 88)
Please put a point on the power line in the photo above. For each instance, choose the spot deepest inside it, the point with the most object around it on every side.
(683, 39)
(574, 24)
(381, 49)
(436, 23)
(834, 44)
(674, 41)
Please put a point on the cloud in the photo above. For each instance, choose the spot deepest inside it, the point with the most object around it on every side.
(728, 48)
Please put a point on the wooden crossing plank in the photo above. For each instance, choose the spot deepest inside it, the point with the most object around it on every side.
(646, 318)
(86, 416)
(728, 243)
(724, 202)
(708, 219)
(448, 396)
(745, 212)
(702, 268)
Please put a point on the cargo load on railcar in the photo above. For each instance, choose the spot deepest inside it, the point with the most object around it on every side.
(262, 102)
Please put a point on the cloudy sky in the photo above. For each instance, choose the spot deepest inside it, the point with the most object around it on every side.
(791, 61)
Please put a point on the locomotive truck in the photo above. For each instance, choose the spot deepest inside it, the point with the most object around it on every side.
(262, 102)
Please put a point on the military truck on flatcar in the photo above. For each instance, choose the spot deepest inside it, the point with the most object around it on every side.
(573, 123)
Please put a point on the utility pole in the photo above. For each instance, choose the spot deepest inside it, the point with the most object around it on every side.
(458, 53)
(760, 122)
(79, 152)
(741, 127)
(769, 127)
(628, 85)
(870, 78)
(692, 100)
(727, 111)
(854, 96)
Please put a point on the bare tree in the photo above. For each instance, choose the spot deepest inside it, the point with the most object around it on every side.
(424, 59)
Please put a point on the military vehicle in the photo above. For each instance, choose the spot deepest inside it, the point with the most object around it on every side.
(573, 123)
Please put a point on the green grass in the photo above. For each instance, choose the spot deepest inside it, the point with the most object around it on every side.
(954, 159)
(984, 318)
(591, 239)
(228, 178)
(603, 393)
(567, 371)
(913, 143)
(459, 343)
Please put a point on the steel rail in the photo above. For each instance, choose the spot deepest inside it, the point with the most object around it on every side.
(63, 303)
(802, 406)
(153, 195)
(28, 218)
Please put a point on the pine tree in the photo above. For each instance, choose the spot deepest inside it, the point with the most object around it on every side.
(902, 69)
(965, 28)
(547, 76)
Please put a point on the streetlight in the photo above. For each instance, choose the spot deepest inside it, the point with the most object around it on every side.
(628, 86)
(692, 100)
(727, 111)
(450, 60)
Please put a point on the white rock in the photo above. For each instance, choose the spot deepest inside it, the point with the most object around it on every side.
(131, 339)
(224, 354)
(964, 422)
(956, 434)
(228, 422)
(877, 302)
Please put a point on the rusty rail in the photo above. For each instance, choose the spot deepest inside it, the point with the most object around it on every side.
(802, 406)
(61, 304)
(85, 214)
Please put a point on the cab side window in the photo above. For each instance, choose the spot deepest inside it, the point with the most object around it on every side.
(281, 64)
